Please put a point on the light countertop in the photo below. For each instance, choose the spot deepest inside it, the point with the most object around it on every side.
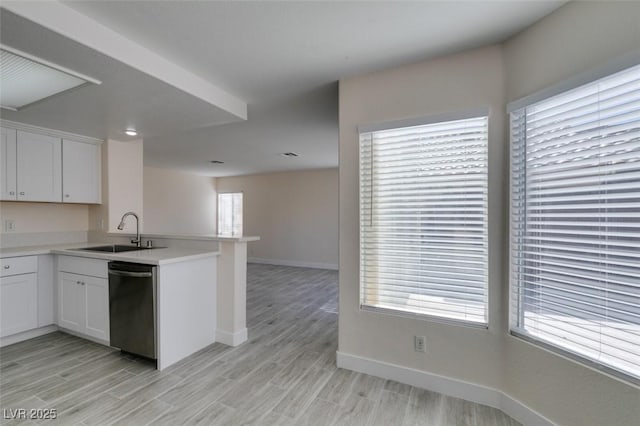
(155, 256)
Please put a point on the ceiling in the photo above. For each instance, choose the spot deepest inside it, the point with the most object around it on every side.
(126, 97)
(282, 58)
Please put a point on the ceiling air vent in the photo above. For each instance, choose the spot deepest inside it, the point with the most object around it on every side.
(26, 79)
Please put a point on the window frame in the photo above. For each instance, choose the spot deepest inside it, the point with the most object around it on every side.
(218, 232)
(469, 113)
(590, 76)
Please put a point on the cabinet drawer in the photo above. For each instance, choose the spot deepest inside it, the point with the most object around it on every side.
(83, 266)
(18, 265)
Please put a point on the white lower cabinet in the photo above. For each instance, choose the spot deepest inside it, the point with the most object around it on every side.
(83, 300)
(84, 305)
(27, 296)
(70, 308)
(18, 294)
(18, 303)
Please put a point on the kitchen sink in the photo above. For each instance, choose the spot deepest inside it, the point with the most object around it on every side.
(115, 248)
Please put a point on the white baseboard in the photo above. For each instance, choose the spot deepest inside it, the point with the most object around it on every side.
(84, 336)
(522, 413)
(445, 385)
(26, 335)
(298, 263)
(231, 339)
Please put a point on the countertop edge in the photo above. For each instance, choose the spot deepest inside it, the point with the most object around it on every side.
(239, 239)
(69, 250)
(128, 257)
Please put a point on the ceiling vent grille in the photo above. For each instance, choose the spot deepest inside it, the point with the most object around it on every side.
(26, 79)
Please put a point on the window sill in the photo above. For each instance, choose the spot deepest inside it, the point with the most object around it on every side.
(424, 317)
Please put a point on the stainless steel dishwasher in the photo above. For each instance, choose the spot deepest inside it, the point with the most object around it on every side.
(132, 308)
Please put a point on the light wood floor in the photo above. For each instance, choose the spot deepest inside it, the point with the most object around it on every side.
(284, 375)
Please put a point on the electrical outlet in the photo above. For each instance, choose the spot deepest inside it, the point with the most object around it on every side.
(9, 225)
(419, 344)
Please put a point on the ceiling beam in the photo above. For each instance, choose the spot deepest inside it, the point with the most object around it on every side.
(68, 22)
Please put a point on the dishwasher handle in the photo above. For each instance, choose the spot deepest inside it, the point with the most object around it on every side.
(130, 274)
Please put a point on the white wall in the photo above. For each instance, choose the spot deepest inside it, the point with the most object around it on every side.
(124, 183)
(455, 83)
(44, 217)
(121, 187)
(178, 203)
(575, 38)
(294, 213)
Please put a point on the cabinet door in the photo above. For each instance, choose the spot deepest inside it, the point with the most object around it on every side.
(18, 303)
(96, 294)
(8, 160)
(39, 176)
(80, 172)
(71, 305)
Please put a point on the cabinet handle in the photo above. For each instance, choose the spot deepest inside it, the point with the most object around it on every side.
(12, 192)
(7, 266)
(21, 193)
(78, 282)
(66, 195)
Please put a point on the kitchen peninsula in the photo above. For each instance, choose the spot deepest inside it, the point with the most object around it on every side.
(64, 287)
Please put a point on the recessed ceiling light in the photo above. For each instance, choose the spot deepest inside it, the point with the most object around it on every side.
(289, 154)
(27, 79)
(131, 132)
(216, 162)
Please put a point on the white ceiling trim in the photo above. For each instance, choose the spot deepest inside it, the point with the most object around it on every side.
(57, 17)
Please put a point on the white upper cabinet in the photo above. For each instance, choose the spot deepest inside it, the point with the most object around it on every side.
(43, 165)
(80, 172)
(8, 189)
(39, 167)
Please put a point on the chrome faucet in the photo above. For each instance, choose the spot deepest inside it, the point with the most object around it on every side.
(137, 241)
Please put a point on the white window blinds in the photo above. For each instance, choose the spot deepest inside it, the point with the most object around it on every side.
(423, 220)
(575, 223)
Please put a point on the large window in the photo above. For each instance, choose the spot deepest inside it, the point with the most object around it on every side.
(423, 219)
(575, 223)
(230, 214)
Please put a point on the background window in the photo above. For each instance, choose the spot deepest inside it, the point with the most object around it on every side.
(575, 225)
(230, 214)
(423, 220)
